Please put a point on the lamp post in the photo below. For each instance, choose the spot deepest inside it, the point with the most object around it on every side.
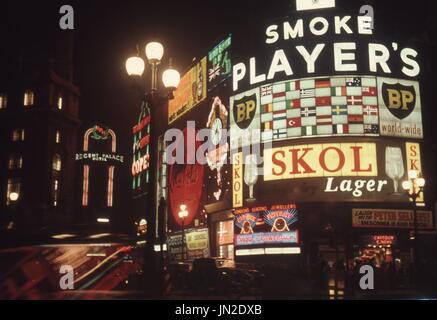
(151, 100)
(182, 215)
(414, 187)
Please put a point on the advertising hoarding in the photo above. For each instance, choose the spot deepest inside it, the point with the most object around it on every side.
(219, 63)
(400, 108)
(328, 106)
(191, 91)
(266, 225)
(196, 242)
(141, 153)
(341, 170)
(391, 218)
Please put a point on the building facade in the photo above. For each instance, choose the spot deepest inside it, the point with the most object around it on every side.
(313, 130)
(39, 119)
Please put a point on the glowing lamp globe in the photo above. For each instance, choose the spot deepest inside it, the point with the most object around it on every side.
(154, 52)
(171, 78)
(14, 196)
(406, 185)
(420, 182)
(135, 66)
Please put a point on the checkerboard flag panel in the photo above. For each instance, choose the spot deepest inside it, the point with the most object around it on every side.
(322, 106)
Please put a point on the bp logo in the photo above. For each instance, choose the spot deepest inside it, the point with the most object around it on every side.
(399, 99)
(244, 111)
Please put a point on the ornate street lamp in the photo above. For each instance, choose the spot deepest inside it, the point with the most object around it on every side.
(414, 187)
(152, 100)
(182, 215)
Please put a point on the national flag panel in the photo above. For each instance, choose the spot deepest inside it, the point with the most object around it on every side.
(371, 129)
(294, 122)
(339, 110)
(322, 106)
(353, 82)
(323, 101)
(341, 129)
(323, 83)
(369, 91)
(326, 119)
(308, 111)
(308, 121)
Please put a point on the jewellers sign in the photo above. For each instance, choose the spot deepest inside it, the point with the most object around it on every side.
(391, 218)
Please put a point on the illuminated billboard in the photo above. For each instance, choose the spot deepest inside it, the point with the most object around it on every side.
(141, 153)
(400, 108)
(343, 170)
(264, 226)
(219, 63)
(245, 119)
(99, 158)
(191, 91)
(391, 218)
(327, 106)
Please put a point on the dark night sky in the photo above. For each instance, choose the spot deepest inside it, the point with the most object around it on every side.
(107, 33)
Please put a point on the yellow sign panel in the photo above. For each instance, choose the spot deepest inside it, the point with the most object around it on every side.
(197, 240)
(321, 160)
(413, 161)
(237, 180)
(190, 92)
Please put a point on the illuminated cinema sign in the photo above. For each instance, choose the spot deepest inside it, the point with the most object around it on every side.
(141, 153)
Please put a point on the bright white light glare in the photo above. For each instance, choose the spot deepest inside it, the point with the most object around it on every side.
(154, 51)
(171, 78)
(135, 66)
(250, 252)
(99, 235)
(292, 250)
(412, 174)
(96, 254)
(103, 220)
(420, 204)
(63, 236)
(420, 182)
(157, 248)
(13, 196)
(406, 185)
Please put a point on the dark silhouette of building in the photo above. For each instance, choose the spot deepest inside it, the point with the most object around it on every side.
(39, 120)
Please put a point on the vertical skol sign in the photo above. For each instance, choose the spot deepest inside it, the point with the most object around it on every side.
(237, 180)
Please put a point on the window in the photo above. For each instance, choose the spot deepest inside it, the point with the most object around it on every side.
(29, 97)
(57, 162)
(3, 100)
(15, 162)
(58, 136)
(13, 189)
(18, 135)
(59, 103)
(55, 191)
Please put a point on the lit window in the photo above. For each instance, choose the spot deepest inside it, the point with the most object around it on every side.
(13, 190)
(57, 162)
(60, 103)
(3, 100)
(15, 162)
(55, 192)
(29, 97)
(58, 136)
(18, 135)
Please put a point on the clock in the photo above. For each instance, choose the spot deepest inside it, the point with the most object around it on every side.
(216, 131)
